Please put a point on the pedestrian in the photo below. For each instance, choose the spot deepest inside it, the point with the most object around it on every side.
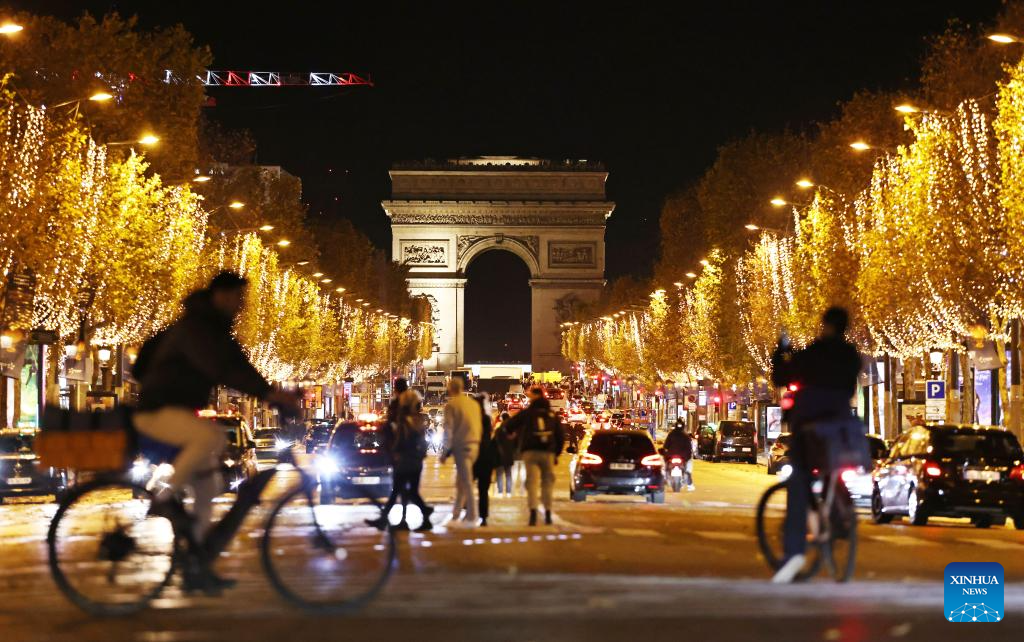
(407, 444)
(540, 439)
(486, 461)
(462, 429)
(506, 444)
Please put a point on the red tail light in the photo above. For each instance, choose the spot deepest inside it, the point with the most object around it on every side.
(590, 459)
(932, 469)
(676, 460)
(793, 387)
(1017, 472)
(652, 460)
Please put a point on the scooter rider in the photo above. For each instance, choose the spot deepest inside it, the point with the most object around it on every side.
(678, 443)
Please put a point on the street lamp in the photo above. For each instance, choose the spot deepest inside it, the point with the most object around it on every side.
(804, 183)
(751, 227)
(705, 262)
(103, 354)
(906, 108)
(339, 290)
(284, 243)
(202, 178)
(9, 28)
(98, 97)
(147, 140)
(1003, 38)
(778, 201)
(691, 275)
(860, 146)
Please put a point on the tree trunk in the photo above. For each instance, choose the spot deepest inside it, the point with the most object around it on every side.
(967, 409)
(1014, 407)
(1000, 380)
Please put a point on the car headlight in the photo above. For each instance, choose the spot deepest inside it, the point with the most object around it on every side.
(785, 471)
(281, 444)
(140, 468)
(327, 465)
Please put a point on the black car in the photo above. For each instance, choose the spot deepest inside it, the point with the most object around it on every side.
(735, 440)
(318, 434)
(355, 464)
(21, 475)
(705, 440)
(239, 458)
(617, 462)
(951, 471)
(778, 454)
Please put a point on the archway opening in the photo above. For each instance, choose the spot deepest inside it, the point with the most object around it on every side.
(498, 315)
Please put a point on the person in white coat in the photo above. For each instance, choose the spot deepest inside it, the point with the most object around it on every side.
(463, 427)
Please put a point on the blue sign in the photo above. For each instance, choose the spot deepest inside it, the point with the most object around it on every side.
(973, 592)
(935, 390)
(732, 405)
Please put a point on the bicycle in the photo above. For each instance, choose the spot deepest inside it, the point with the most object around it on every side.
(831, 527)
(118, 562)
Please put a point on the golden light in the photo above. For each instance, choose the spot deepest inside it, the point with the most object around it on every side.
(906, 109)
(101, 96)
(359, 300)
(201, 179)
(705, 262)
(284, 243)
(751, 227)
(149, 139)
(678, 284)
(778, 201)
(9, 28)
(325, 280)
(339, 290)
(6, 341)
(366, 303)
(691, 275)
(1001, 38)
(71, 351)
(302, 263)
(103, 354)
(266, 228)
(804, 183)
(236, 205)
(379, 310)
(317, 275)
(860, 145)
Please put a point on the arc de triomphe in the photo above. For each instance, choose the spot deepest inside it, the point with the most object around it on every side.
(551, 215)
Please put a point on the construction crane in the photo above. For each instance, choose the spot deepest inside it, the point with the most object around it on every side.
(212, 78)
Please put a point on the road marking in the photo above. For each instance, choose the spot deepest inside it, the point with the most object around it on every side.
(992, 543)
(637, 532)
(724, 535)
(902, 540)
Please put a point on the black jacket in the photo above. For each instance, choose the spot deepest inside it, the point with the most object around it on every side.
(677, 442)
(181, 364)
(537, 428)
(487, 458)
(826, 375)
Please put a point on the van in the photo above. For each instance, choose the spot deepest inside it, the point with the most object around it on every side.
(735, 440)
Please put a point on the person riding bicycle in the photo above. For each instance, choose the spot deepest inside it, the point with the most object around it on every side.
(177, 369)
(823, 378)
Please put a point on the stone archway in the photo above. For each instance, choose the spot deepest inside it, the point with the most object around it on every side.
(551, 215)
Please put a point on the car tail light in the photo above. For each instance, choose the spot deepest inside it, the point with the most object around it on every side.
(932, 469)
(590, 459)
(677, 460)
(793, 387)
(1017, 472)
(848, 475)
(652, 460)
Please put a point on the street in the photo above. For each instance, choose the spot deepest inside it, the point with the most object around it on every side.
(609, 569)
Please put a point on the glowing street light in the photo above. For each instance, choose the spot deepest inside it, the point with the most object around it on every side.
(691, 275)
(317, 275)
(236, 205)
(100, 97)
(284, 243)
(751, 227)
(201, 179)
(804, 183)
(705, 262)
(365, 303)
(860, 146)
(266, 228)
(778, 201)
(149, 139)
(906, 108)
(1003, 38)
(678, 284)
(325, 280)
(339, 290)
(8, 28)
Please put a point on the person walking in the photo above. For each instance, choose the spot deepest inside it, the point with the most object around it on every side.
(540, 439)
(486, 461)
(506, 446)
(407, 444)
(462, 430)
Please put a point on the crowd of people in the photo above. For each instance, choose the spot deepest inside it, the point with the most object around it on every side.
(485, 447)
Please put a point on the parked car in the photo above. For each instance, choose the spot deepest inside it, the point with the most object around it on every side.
(951, 470)
(778, 454)
(20, 472)
(735, 440)
(268, 442)
(860, 482)
(317, 435)
(355, 463)
(618, 462)
(239, 458)
(705, 440)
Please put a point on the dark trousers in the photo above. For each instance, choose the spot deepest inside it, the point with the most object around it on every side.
(483, 485)
(798, 497)
(407, 486)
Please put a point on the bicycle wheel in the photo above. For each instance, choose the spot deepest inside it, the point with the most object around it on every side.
(325, 557)
(770, 533)
(106, 554)
(841, 548)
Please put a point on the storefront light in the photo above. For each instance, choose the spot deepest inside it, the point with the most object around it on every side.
(71, 351)
(6, 341)
(103, 354)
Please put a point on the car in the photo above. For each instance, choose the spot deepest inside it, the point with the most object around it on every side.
(268, 441)
(617, 462)
(778, 454)
(21, 475)
(514, 402)
(239, 458)
(735, 440)
(705, 440)
(860, 482)
(317, 434)
(951, 470)
(355, 463)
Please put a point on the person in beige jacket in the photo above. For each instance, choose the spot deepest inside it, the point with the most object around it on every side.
(463, 428)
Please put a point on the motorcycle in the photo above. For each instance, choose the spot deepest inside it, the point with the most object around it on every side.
(676, 468)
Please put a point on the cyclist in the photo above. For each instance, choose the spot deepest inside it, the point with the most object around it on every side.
(177, 369)
(825, 377)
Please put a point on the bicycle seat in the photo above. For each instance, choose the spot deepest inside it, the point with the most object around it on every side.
(157, 452)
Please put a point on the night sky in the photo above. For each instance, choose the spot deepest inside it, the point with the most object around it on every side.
(650, 91)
